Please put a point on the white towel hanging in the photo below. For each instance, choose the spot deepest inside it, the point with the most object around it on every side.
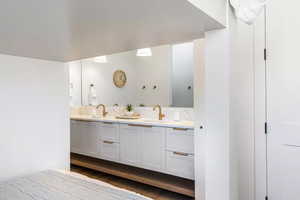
(248, 14)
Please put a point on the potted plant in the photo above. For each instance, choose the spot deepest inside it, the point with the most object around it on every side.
(129, 110)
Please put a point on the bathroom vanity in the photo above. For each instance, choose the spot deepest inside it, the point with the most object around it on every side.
(161, 146)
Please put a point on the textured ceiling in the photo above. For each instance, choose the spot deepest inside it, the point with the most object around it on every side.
(65, 30)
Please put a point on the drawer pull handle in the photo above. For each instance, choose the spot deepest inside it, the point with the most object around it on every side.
(107, 123)
(180, 153)
(139, 125)
(180, 129)
(108, 142)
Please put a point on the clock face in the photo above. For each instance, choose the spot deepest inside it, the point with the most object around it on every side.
(119, 78)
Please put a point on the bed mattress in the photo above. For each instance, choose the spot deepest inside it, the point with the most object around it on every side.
(55, 185)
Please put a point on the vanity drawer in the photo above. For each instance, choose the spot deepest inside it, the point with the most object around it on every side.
(180, 164)
(109, 150)
(109, 131)
(181, 140)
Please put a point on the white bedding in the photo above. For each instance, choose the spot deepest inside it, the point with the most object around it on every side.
(55, 185)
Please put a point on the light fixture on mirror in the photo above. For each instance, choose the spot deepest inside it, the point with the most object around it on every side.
(100, 59)
(144, 52)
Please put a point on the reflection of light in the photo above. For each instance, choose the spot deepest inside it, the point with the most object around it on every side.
(144, 52)
(100, 59)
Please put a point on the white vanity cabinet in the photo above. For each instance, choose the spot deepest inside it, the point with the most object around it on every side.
(161, 149)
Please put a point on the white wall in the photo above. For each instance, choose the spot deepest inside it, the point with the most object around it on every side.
(213, 8)
(242, 109)
(199, 119)
(234, 70)
(247, 107)
(216, 124)
(34, 116)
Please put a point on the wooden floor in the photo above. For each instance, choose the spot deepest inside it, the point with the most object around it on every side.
(152, 178)
(146, 190)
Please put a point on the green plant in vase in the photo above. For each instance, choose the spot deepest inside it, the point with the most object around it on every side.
(129, 109)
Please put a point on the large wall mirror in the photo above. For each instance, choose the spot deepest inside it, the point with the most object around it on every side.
(157, 75)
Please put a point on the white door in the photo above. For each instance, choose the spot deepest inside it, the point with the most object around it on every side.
(283, 99)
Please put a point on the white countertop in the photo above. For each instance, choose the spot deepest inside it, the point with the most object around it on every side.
(142, 121)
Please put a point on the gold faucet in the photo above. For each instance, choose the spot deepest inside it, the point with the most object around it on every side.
(104, 113)
(160, 115)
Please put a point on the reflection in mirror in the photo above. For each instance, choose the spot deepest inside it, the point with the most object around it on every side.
(182, 75)
(162, 76)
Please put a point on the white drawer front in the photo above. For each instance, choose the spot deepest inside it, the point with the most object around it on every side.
(180, 164)
(181, 140)
(110, 132)
(109, 150)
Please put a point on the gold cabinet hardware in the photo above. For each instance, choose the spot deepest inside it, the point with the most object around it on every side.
(180, 129)
(108, 142)
(140, 125)
(180, 153)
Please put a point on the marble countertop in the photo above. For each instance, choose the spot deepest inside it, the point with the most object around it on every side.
(142, 121)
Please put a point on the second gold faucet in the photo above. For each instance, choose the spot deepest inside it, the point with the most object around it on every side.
(160, 114)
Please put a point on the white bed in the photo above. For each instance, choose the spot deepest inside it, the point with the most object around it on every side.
(58, 185)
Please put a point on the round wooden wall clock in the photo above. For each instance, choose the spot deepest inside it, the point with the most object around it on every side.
(119, 78)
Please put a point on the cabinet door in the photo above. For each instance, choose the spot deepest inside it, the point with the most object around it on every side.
(130, 149)
(153, 140)
(75, 136)
(90, 137)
